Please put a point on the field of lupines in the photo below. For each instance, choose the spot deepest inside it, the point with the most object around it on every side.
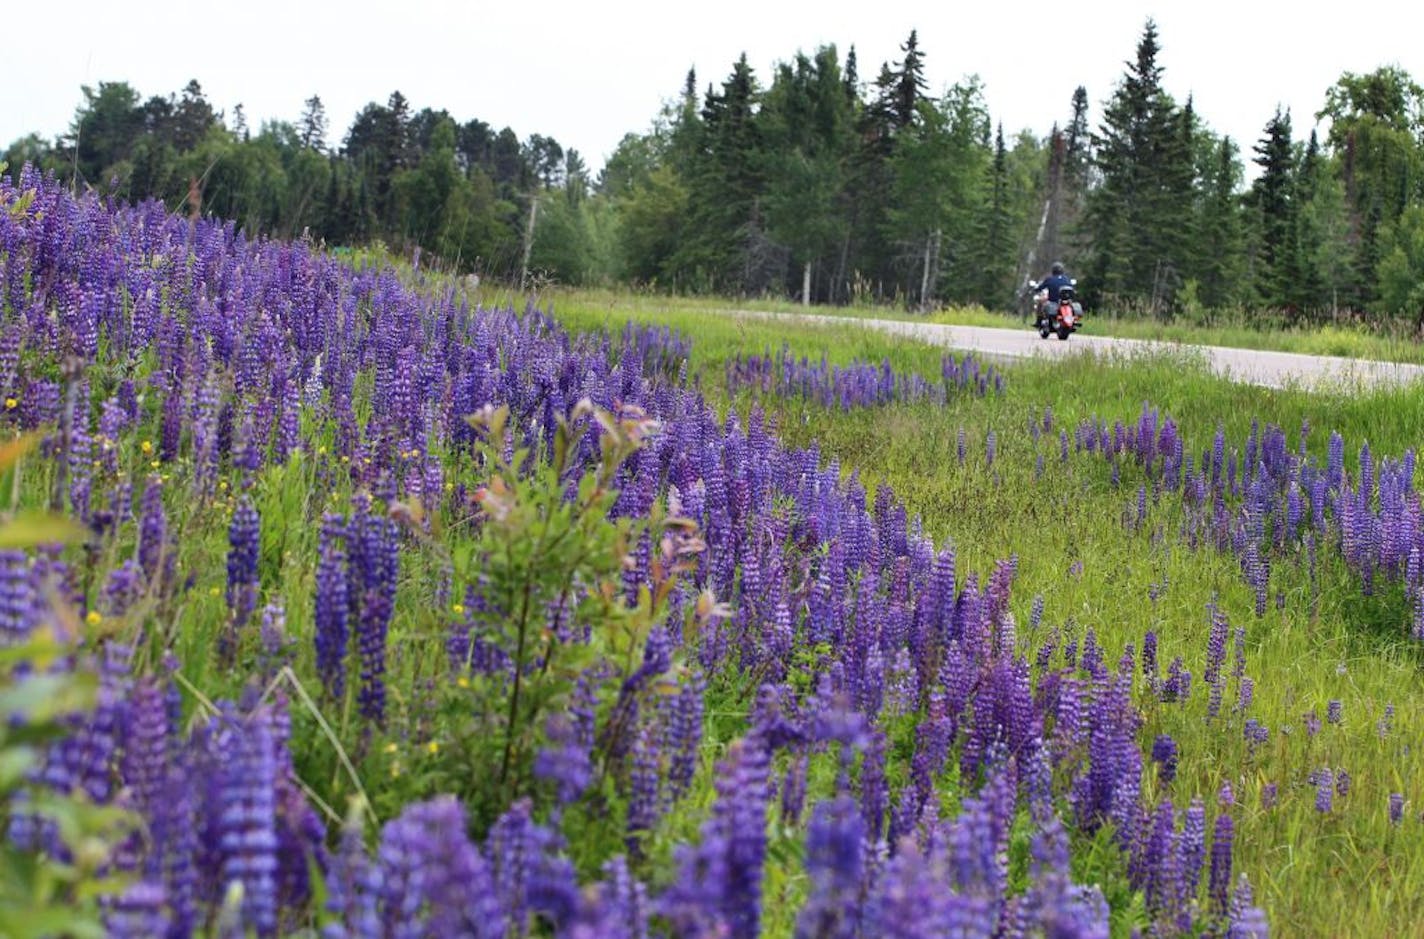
(389, 615)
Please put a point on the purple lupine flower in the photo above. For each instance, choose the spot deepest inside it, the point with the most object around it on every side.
(565, 761)
(146, 744)
(645, 805)
(1396, 807)
(154, 553)
(1219, 880)
(1164, 754)
(1324, 781)
(874, 789)
(332, 606)
(19, 601)
(835, 841)
(1178, 686)
(247, 837)
(1268, 796)
(1159, 874)
(531, 877)
(140, 912)
(719, 884)
(1244, 693)
(1149, 659)
(353, 888)
(793, 791)
(1215, 658)
(433, 881)
(289, 425)
(1245, 919)
(1192, 851)
(1312, 724)
(243, 540)
(1342, 783)
(380, 558)
(1334, 711)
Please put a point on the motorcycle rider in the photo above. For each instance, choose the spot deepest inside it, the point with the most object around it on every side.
(1053, 283)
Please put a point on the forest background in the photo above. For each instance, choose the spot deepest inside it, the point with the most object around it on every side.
(822, 184)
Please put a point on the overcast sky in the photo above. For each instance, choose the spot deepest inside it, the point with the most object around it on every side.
(586, 73)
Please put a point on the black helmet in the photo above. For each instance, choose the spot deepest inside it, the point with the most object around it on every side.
(1058, 267)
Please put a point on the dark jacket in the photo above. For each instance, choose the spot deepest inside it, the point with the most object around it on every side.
(1053, 284)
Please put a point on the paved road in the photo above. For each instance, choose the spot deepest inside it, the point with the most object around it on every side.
(1251, 366)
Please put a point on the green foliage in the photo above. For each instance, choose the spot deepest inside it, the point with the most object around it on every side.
(547, 563)
(44, 684)
(1401, 269)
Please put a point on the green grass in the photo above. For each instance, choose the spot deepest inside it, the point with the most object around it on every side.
(1347, 873)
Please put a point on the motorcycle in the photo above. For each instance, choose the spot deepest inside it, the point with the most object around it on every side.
(1062, 318)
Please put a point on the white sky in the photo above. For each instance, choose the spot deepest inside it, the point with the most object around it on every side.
(587, 72)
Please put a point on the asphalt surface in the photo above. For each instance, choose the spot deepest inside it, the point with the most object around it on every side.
(1249, 366)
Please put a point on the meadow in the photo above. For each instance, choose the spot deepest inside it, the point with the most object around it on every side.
(335, 603)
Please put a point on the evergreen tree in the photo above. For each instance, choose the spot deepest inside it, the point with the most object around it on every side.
(105, 129)
(1138, 155)
(313, 124)
(725, 248)
(806, 127)
(192, 117)
(871, 182)
(1218, 271)
(909, 82)
(1308, 290)
(1274, 205)
(1078, 140)
(996, 255)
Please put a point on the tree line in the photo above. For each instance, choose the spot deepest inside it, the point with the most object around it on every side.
(813, 183)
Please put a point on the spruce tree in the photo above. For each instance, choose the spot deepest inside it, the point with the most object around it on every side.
(1138, 155)
(312, 127)
(996, 260)
(1273, 204)
(909, 82)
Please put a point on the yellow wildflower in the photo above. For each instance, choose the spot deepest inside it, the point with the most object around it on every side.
(433, 747)
(93, 618)
(146, 447)
(11, 404)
